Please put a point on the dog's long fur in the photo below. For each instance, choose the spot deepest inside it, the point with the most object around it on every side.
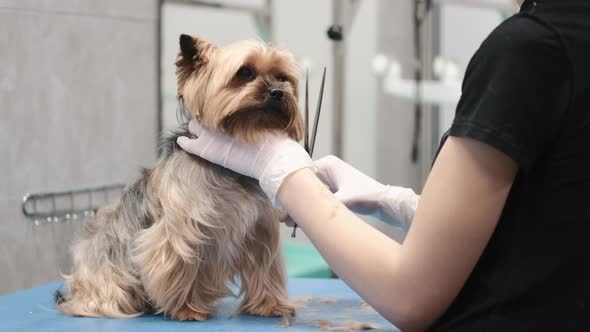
(187, 228)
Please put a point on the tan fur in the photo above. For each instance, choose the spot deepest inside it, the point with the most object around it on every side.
(188, 228)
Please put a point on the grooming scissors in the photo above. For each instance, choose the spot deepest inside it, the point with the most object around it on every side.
(309, 141)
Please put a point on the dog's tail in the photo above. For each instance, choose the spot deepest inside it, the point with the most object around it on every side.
(70, 304)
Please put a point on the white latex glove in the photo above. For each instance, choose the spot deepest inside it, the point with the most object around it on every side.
(269, 162)
(363, 195)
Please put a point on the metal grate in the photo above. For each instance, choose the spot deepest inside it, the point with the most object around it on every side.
(68, 205)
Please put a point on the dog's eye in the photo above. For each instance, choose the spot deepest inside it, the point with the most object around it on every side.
(282, 78)
(245, 73)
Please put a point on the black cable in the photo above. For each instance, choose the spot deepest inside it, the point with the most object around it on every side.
(159, 81)
(419, 16)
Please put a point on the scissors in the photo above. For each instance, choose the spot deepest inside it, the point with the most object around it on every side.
(309, 140)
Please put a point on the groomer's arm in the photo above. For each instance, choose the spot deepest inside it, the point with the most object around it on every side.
(411, 284)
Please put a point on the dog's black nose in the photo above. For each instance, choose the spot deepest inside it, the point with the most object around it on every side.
(276, 94)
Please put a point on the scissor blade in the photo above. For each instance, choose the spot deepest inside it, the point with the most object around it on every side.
(317, 115)
(306, 138)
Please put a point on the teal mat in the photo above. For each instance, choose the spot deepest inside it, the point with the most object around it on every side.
(304, 261)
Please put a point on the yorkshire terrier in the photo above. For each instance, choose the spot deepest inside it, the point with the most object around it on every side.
(187, 229)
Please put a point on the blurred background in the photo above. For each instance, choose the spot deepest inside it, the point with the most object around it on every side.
(88, 87)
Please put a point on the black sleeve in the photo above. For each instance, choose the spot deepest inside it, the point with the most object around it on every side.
(516, 90)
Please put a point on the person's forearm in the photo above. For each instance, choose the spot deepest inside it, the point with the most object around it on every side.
(364, 258)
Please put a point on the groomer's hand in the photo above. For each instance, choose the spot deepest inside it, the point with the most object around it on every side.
(269, 162)
(363, 195)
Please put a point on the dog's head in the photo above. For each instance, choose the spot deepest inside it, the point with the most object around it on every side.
(244, 89)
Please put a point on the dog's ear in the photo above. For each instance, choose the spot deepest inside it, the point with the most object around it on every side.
(194, 53)
(188, 47)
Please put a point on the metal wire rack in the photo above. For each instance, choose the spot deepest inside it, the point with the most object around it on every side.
(55, 207)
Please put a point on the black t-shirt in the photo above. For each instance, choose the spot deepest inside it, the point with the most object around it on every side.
(526, 92)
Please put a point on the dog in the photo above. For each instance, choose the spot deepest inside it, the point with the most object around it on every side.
(187, 229)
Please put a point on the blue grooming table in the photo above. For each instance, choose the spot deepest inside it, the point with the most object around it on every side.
(321, 300)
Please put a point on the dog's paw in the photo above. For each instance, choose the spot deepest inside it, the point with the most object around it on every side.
(288, 312)
(266, 309)
(189, 314)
